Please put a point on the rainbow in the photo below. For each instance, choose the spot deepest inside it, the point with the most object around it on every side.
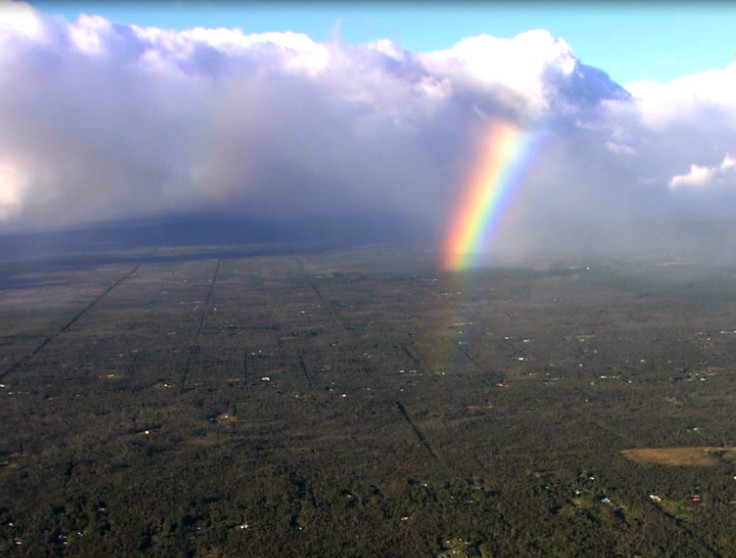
(505, 154)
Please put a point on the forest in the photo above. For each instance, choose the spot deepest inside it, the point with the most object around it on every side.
(274, 400)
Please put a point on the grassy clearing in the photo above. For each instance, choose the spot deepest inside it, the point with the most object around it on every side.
(701, 456)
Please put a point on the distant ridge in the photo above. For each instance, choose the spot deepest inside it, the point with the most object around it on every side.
(215, 229)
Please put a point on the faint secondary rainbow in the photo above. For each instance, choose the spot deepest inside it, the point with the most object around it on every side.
(505, 154)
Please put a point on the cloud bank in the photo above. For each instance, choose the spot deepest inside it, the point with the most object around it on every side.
(104, 121)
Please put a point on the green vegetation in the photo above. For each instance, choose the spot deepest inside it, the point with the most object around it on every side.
(228, 402)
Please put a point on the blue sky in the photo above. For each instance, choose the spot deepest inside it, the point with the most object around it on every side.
(630, 41)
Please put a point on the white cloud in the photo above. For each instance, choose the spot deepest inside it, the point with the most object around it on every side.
(104, 121)
(18, 17)
(520, 65)
(702, 176)
(86, 34)
(694, 96)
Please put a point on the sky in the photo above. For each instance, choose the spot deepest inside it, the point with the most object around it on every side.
(630, 40)
(129, 112)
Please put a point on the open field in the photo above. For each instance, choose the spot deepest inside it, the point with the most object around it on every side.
(695, 456)
(209, 401)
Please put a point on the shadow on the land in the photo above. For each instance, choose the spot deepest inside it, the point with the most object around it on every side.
(34, 272)
(31, 260)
